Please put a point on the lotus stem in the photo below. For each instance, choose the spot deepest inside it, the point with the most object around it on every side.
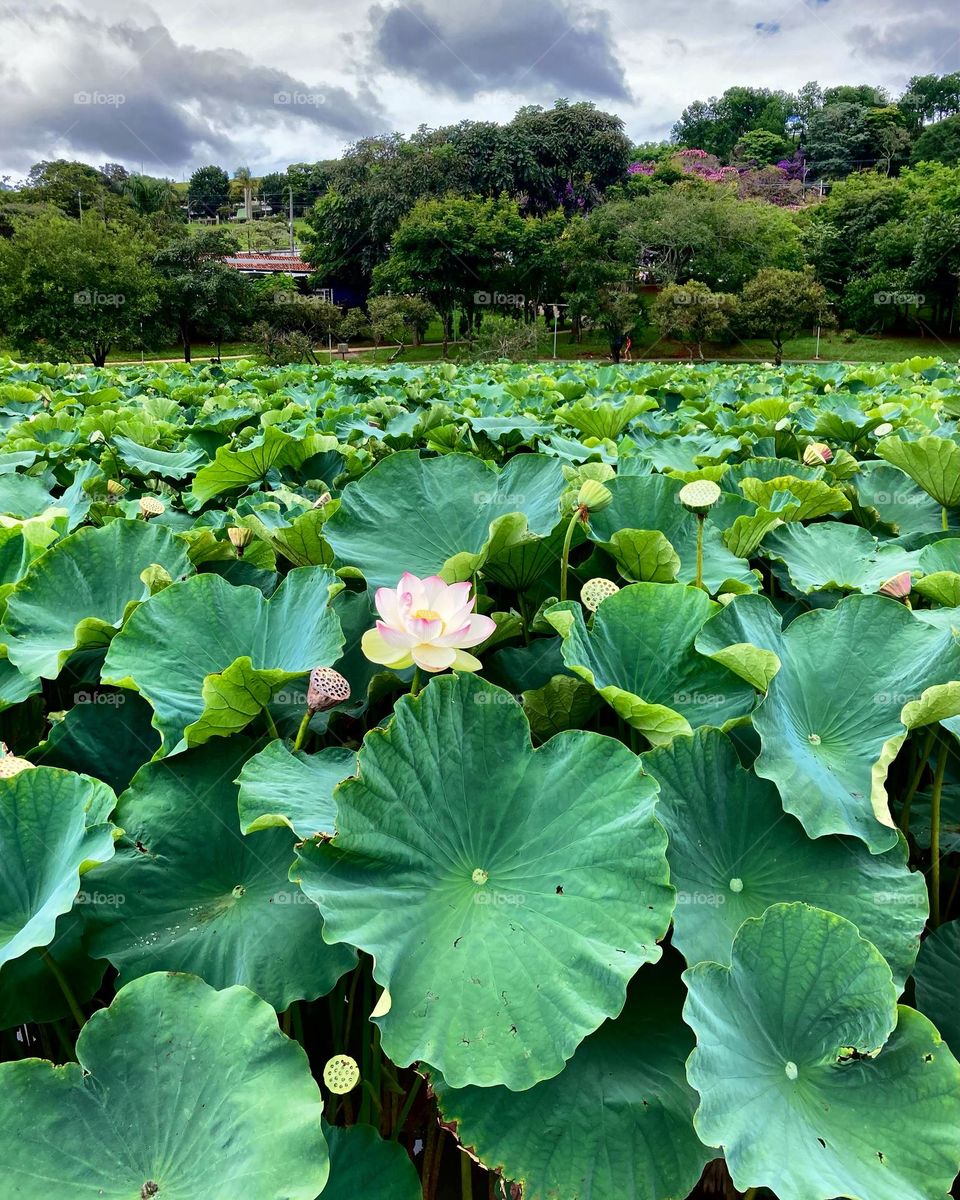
(75, 1009)
(935, 835)
(466, 1176)
(271, 724)
(915, 783)
(417, 682)
(285, 1020)
(407, 1105)
(302, 731)
(944, 520)
(565, 554)
(750, 1194)
(700, 522)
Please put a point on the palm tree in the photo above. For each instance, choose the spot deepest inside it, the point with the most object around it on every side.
(245, 179)
(147, 194)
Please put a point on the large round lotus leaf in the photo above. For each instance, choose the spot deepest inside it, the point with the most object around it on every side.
(28, 989)
(937, 981)
(829, 555)
(506, 894)
(53, 827)
(746, 636)
(414, 514)
(280, 786)
(900, 503)
(932, 462)
(235, 470)
(15, 687)
(362, 1165)
(147, 460)
(650, 502)
(733, 852)
(615, 1124)
(208, 655)
(803, 1079)
(191, 893)
(831, 722)
(77, 594)
(639, 654)
(180, 1092)
(106, 734)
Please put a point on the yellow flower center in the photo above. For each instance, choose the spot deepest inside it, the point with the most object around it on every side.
(426, 614)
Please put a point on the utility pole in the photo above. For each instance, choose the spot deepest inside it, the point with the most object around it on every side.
(80, 202)
(293, 245)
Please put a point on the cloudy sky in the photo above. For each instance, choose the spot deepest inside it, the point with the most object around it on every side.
(173, 84)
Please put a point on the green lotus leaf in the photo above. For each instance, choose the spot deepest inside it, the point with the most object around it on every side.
(746, 638)
(78, 594)
(23, 497)
(562, 703)
(931, 462)
(506, 894)
(207, 655)
(937, 981)
(615, 1124)
(107, 734)
(404, 495)
(795, 499)
(896, 499)
(643, 555)
(147, 460)
(639, 654)
(53, 828)
(733, 852)
(603, 420)
(193, 894)
(830, 555)
(830, 724)
(235, 470)
(651, 503)
(744, 536)
(28, 989)
(810, 1078)
(282, 787)
(179, 1092)
(940, 562)
(362, 1164)
(15, 687)
(517, 559)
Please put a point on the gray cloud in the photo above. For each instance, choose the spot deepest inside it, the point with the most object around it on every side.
(925, 42)
(130, 93)
(547, 46)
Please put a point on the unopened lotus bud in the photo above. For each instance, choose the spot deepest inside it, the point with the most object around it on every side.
(593, 496)
(150, 506)
(883, 430)
(341, 1074)
(816, 454)
(595, 591)
(322, 500)
(699, 496)
(327, 689)
(240, 537)
(115, 489)
(898, 586)
(96, 437)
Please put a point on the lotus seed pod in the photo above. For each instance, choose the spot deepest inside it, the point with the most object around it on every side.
(341, 1074)
(593, 496)
(327, 689)
(115, 488)
(150, 506)
(816, 454)
(595, 591)
(10, 765)
(240, 536)
(700, 495)
(898, 586)
(883, 430)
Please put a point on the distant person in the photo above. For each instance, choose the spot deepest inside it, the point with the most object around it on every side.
(627, 347)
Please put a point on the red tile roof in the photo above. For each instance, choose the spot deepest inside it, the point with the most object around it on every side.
(252, 261)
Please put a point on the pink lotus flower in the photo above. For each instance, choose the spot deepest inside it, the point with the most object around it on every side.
(426, 622)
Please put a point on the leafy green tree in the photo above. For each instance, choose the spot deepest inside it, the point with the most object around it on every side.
(777, 304)
(932, 97)
(761, 147)
(148, 195)
(208, 190)
(838, 140)
(692, 313)
(355, 324)
(71, 289)
(197, 289)
(75, 188)
(939, 143)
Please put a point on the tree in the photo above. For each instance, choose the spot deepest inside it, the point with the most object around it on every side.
(244, 179)
(761, 147)
(777, 304)
(71, 289)
(75, 188)
(691, 312)
(939, 143)
(197, 289)
(148, 195)
(354, 324)
(209, 190)
(838, 140)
